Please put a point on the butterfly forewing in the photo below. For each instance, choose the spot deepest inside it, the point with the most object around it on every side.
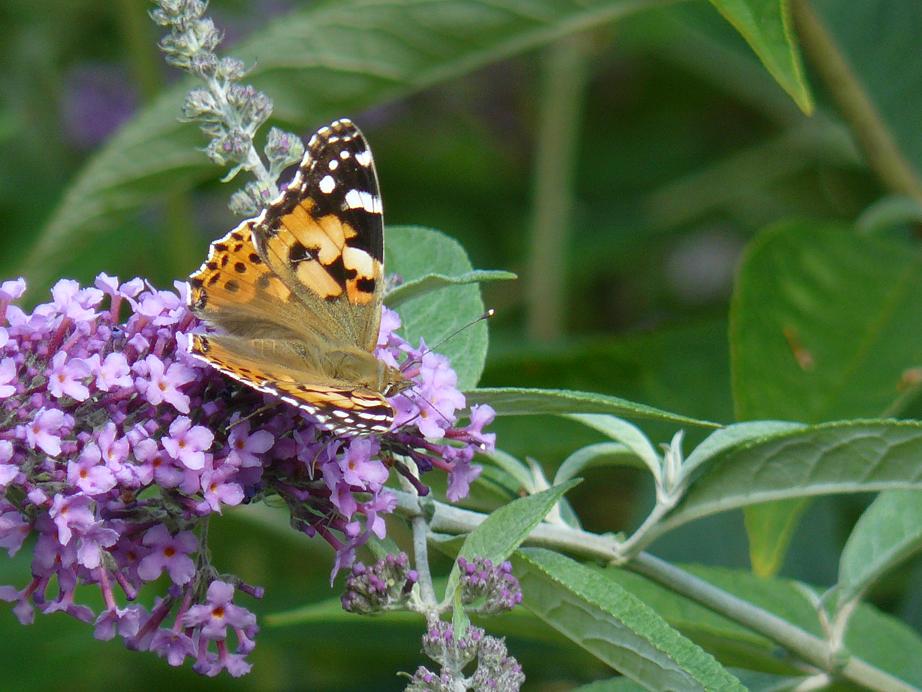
(325, 235)
(303, 279)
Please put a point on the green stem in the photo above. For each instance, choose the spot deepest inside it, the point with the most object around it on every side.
(563, 91)
(873, 136)
(447, 519)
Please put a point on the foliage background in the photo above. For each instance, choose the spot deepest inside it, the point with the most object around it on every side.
(684, 148)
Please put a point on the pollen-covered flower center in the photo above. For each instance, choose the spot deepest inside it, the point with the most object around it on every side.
(218, 611)
(161, 385)
(84, 473)
(169, 551)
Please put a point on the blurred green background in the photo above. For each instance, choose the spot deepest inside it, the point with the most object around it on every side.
(664, 142)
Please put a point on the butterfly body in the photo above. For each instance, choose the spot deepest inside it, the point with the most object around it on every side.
(294, 295)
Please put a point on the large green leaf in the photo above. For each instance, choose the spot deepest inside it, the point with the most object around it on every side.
(519, 401)
(766, 26)
(505, 529)
(823, 325)
(324, 60)
(849, 457)
(614, 625)
(413, 252)
(888, 532)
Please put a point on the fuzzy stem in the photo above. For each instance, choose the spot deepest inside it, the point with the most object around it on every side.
(421, 563)
(872, 134)
(812, 649)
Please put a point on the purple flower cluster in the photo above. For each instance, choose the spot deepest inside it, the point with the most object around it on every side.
(487, 588)
(114, 444)
(386, 584)
(496, 669)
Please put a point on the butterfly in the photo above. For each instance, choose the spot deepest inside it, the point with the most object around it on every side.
(294, 295)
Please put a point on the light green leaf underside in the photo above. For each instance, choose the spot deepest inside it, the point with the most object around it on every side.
(433, 282)
(888, 532)
(847, 457)
(517, 401)
(612, 624)
(594, 456)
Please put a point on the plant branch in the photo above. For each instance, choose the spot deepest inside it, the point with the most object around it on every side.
(447, 519)
(566, 69)
(874, 138)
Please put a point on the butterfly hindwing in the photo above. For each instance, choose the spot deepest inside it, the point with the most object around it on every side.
(335, 406)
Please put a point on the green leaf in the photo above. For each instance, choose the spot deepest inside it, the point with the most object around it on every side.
(848, 457)
(766, 26)
(322, 61)
(592, 456)
(888, 532)
(770, 528)
(433, 282)
(414, 252)
(518, 401)
(613, 625)
(505, 529)
(823, 325)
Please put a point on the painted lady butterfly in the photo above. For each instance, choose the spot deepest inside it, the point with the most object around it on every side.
(295, 294)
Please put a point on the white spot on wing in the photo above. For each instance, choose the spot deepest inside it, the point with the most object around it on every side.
(327, 184)
(364, 158)
(359, 260)
(333, 165)
(344, 154)
(360, 199)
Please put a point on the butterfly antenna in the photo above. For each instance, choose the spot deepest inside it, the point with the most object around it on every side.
(485, 316)
(432, 406)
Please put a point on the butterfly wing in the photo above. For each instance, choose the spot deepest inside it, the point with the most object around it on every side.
(237, 292)
(335, 406)
(325, 236)
(305, 275)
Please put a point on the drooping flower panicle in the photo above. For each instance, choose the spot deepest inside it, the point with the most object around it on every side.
(114, 444)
